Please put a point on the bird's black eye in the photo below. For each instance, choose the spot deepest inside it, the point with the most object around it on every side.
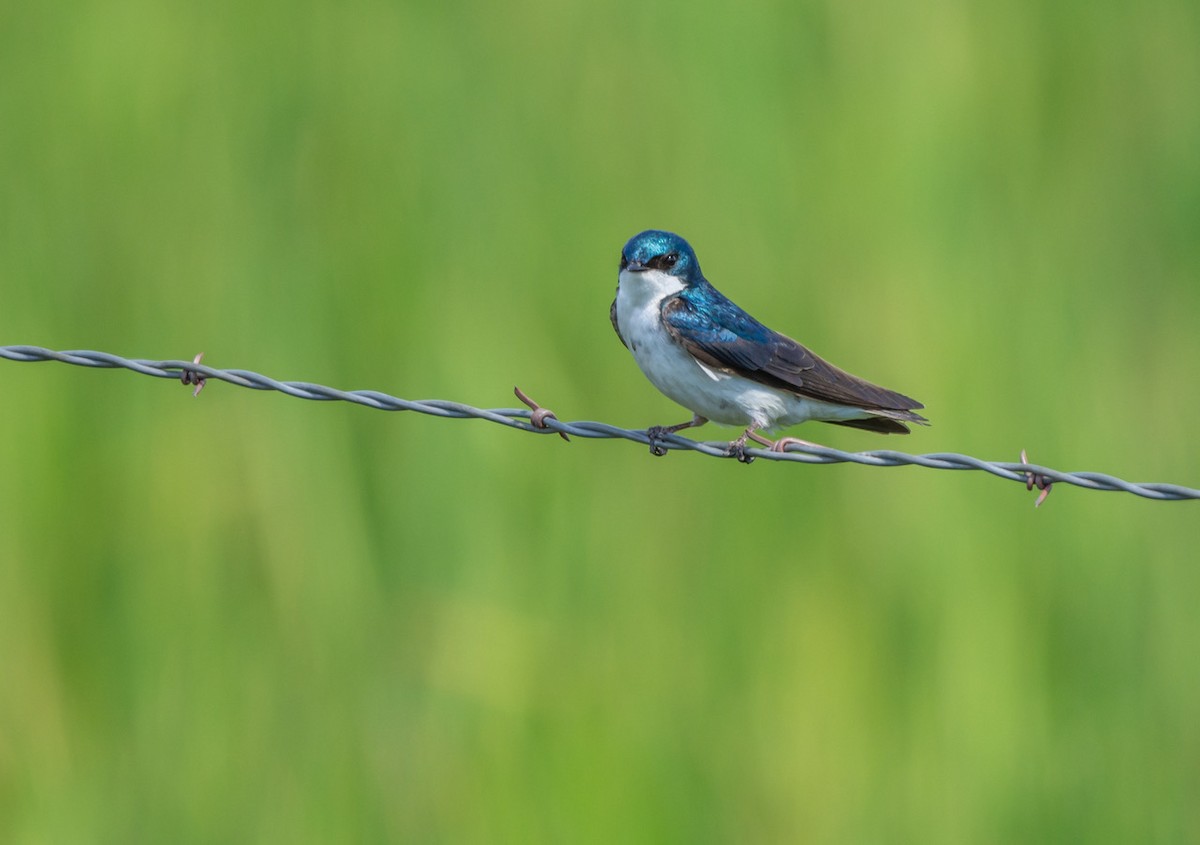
(624, 261)
(665, 261)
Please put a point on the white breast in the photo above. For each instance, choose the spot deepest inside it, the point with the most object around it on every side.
(716, 395)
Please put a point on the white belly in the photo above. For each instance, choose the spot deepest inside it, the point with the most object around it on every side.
(714, 394)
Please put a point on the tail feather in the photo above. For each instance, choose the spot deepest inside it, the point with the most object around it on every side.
(886, 422)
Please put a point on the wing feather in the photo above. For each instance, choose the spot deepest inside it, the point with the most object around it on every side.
(612, 315)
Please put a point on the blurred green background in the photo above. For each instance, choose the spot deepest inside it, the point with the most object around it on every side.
(246, 618)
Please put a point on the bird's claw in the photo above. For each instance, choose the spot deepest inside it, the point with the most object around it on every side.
(1036, 479)
(538, 415)
(656, 434)
(737, 449)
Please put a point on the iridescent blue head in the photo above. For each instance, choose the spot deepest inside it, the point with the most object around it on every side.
(664, 251)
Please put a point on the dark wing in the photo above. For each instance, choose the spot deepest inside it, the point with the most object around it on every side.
(612, 315)
(720, 334)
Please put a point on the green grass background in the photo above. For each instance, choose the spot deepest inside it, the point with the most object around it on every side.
(246, 618)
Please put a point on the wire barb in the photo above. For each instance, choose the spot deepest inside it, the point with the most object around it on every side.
(190, 377)
(1035, 479)
(524, 419)
(540, 414)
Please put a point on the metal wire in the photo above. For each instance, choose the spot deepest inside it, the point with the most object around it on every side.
(192, 372)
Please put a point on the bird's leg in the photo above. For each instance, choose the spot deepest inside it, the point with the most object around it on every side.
(663, 430)
(658, 432)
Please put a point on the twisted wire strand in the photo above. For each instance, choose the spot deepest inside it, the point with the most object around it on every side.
(524, 419)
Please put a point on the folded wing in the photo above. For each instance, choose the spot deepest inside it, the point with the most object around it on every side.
(722, 335)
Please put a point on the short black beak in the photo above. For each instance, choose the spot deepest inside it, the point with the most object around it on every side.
(636, 267)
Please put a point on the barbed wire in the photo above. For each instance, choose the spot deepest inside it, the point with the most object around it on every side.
(539, 420)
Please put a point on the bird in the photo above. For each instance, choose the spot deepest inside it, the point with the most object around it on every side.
(707, 354)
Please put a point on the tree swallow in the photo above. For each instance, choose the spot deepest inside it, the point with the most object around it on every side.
(704, 352)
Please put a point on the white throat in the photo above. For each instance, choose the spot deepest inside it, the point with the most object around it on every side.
(648, 287)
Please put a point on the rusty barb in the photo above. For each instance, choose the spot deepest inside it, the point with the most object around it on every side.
(539, 414)
(193, 377)
(1036, 479)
